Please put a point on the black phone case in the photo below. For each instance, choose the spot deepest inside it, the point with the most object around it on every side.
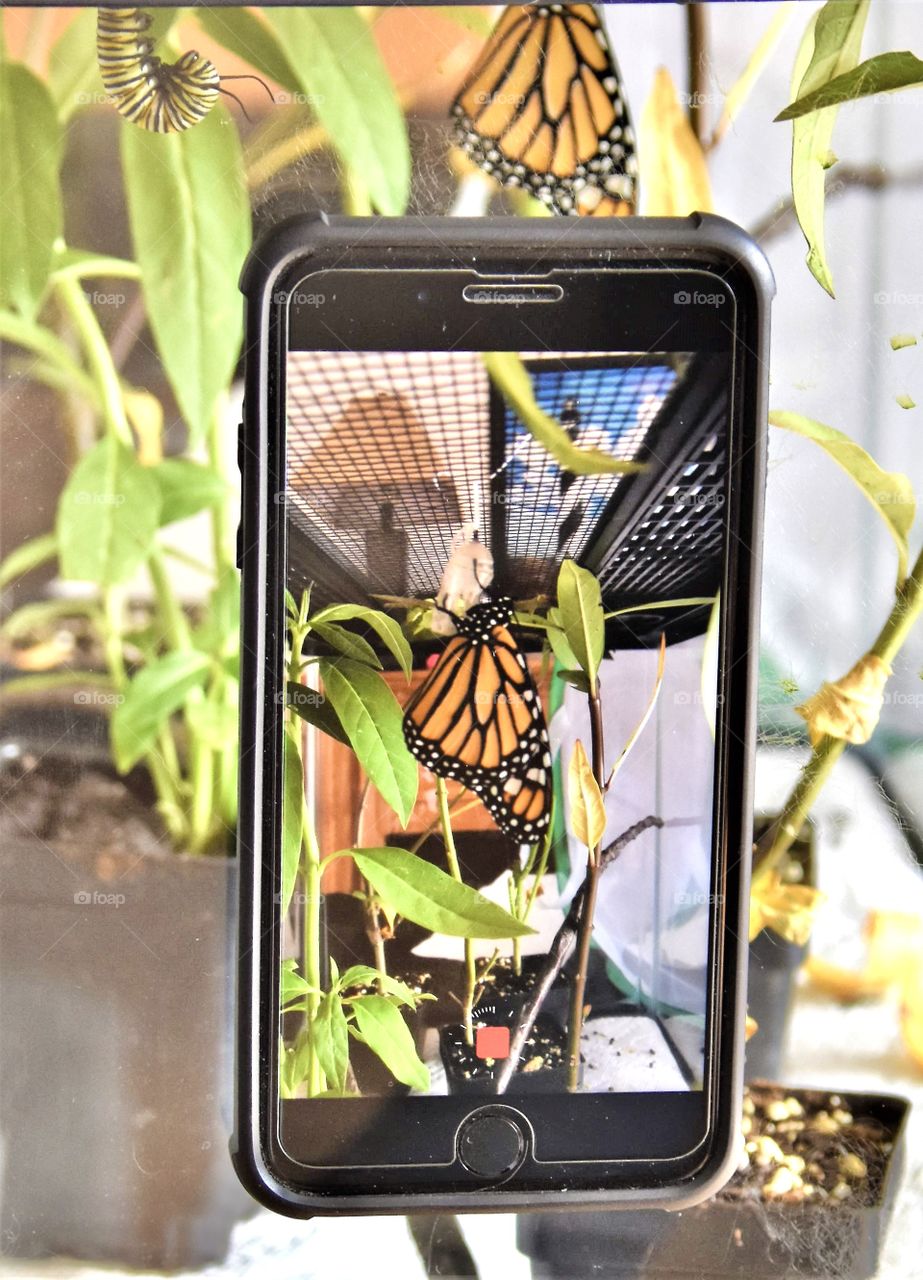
(491, 246)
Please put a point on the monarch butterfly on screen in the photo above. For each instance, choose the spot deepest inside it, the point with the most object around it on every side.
(165, 97)
(477, 718)
(543, 109)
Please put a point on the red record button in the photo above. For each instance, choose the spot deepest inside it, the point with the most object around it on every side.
(492, 1042)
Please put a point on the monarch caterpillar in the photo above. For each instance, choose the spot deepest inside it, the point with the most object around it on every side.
(543, 109)
(165, 97)
(478, 718)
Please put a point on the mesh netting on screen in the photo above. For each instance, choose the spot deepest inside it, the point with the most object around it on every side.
(390, 454)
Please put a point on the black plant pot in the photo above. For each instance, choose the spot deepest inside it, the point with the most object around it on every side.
(115, 1049)
(771, 973)
(728, 1236)
(468, 1074)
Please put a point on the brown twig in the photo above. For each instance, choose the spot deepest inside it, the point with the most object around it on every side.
(697, 66)
(561, 949)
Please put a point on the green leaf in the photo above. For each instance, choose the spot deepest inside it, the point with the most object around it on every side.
(27, 557)
(510, 377)
(292, 984)
(387, 629)
(575, 678)
(316, 711)
(107, 516)
(431, 898)
(73, 69)
(219, 632)
(372, 719)
(253, 40)
(187, 488)
(885, 73)
(80, 264)
(155, 693)
(580, 609)
(362, 975)
(190, 224)
(213, 723)
(292, 805)
(558, 641)
(39, 615)
(30, 195)
(347, 86)
(889, 492)
(468, 16)
(830, 46)
(380, 1025)
(330, 1035)
(347, 643)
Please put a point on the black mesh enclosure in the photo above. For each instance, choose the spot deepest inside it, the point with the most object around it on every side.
(390, 454)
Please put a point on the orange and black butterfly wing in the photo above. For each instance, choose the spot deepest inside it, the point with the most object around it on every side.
(478, 719)
(543, 109)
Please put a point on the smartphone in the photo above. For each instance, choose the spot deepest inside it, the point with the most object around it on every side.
(502, 494)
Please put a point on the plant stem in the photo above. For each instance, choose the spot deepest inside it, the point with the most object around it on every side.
(560, 951)
(311, 872)
(355, 194)
(99, 358)
(442, 797)
(776, 841)
(588, 907)
(221, 549)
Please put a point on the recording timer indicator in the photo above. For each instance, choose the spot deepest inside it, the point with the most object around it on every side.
(491, 1041)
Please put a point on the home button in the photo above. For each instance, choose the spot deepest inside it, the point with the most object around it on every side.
(491, 1143)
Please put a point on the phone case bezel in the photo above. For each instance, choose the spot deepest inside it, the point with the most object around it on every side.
(276, 265)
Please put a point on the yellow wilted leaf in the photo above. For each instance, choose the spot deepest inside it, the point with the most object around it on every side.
(587, 811)
(912, 1015)
(894, 956)
(788, 909)
(848, 708)
(671, 158)
(145, 413)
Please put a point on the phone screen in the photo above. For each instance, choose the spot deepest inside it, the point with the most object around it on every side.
(503, 573)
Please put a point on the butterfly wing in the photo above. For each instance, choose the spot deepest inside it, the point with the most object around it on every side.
(478, 719)
(543, 109)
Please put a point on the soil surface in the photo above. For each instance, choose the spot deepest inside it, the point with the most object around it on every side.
(80, 811)
(805, 1145)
